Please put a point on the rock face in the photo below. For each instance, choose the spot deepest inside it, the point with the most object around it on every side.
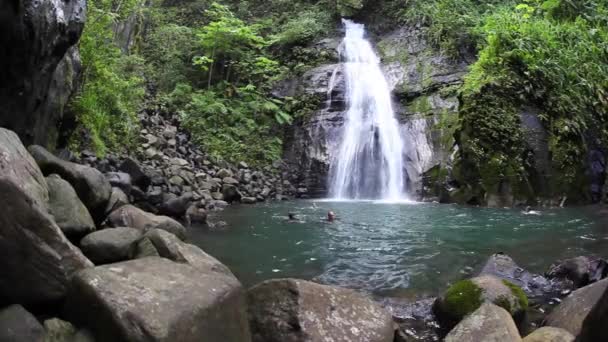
(91, 186)
(69, 212)
(33, 88)
(549, 334)
(18, 325)
(290, 310)
(571, 313)
(154, 299)
(489, 323)
(130, 216)
(18, 165)
(36, 259)
(466, 296)
(110, 245)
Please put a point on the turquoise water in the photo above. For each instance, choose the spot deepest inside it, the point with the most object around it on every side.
(392, 248)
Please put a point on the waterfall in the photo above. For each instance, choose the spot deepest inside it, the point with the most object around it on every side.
(368, 163)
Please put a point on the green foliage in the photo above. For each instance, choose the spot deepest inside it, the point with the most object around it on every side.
(555, 63)
(112, 88)
(450, 23)
(304, 28)
(519, 293)
(461, 299)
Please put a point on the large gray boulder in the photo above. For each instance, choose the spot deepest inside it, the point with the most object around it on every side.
(110, 245)
(594, 325)
(18, 165)
(18, 325)
(571, 313)
(155, 299)
(36, 259)
(91, 186)
(70, 214)
(231, 193)
(57, 330)
(169, 246)
(549, 334)
(291, 310)
(138, 176)
(117, 199)
(131, 216)
(489, 323)
(38, 64)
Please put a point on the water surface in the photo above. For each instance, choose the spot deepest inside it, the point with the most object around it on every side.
(389, 249)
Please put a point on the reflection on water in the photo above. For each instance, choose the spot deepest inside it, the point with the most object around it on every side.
(380, 247)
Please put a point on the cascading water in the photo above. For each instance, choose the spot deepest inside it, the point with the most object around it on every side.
(369, 161)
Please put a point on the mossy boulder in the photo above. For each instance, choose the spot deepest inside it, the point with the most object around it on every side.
(466, 296)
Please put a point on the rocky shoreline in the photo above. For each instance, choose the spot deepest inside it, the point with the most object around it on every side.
(81, 262)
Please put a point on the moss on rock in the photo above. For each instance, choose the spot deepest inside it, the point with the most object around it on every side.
(519, 293)
(461, 299)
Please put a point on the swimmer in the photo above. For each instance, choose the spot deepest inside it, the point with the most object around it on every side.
(331, 216)
(529, 211)
(292, 216)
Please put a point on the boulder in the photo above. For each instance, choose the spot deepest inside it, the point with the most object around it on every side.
(489, 323)
(18, 165)
(536, 286)
(91, 186)
(130, 216)
(196, 215)
(293, 310)
(573, 310)
(70, 214)
(120, 180)
(549, 334)
(110, 245)
(117, 199)
(248, 200)
(466, 296)
(580, 271)
(177, 206)
(223, 173)
(155, 299)
(595, 323)
(170, 247)
(138, 176)
(36, 259)
(230, 193)
(18, 325)
(230, 180)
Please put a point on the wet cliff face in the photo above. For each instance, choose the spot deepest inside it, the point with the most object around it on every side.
(39, 68)
(424, 91)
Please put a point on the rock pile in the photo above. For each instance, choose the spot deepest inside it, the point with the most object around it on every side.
(171, 176)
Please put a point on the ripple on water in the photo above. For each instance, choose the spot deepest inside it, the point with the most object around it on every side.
(381, 247)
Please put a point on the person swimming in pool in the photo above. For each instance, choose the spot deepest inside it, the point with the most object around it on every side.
(331, 216)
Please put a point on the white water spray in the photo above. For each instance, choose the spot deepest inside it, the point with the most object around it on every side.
(369, 162)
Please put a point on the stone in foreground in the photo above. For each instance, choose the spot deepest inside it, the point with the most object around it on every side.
(70, 214)
(154, 299)
(594, 325)
(18, 325)
(18, 165)
(466, 296)
(571, 313)
(110, 245)
(36, 259)
(291, 310)
(91, 186)
(549, 334)
(131, 216)
(489, 323)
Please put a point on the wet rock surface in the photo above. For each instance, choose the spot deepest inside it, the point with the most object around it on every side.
(70, 214)
(297, 310)
(489, 323)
